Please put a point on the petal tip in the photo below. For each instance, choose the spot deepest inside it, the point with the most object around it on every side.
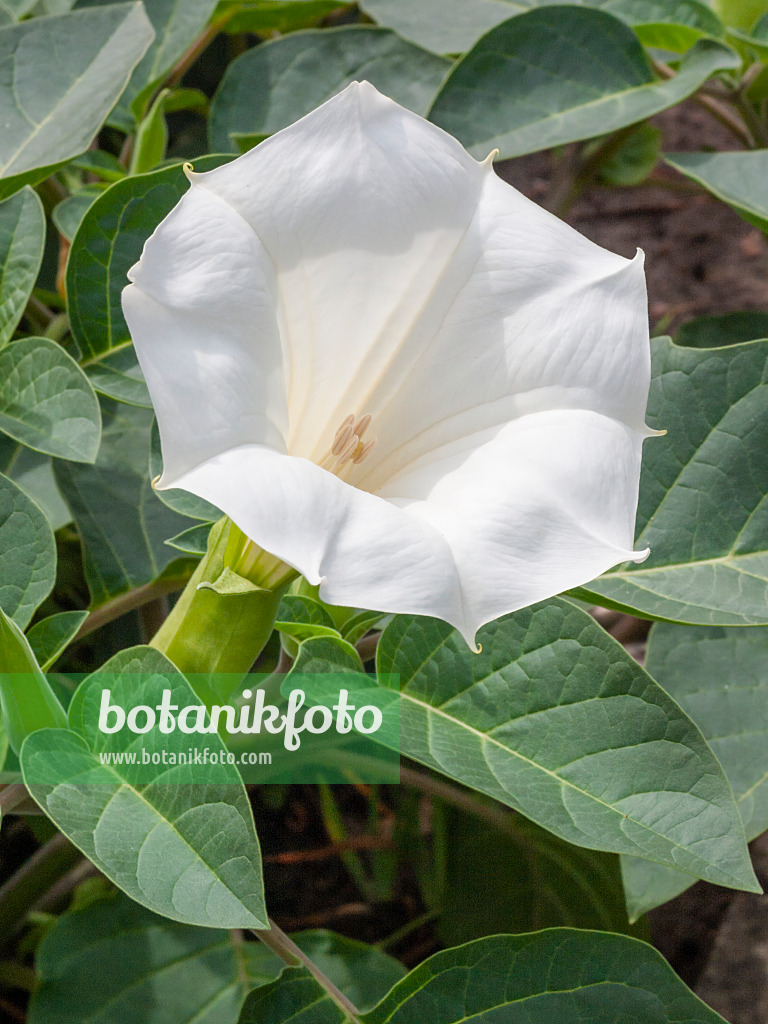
(640, 556)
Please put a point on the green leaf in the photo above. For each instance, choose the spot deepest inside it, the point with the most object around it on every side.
(442, 26)
(118, 375)
(634, 159)
(27, 701)
(454, 26)
(739, 179)
(720, 678)
(107, 244)
(184, 848)
(101, 164)
(22, 239)
(726, 329)
(703, 508)
(177, 973)
(50, 637)
(556, 720)
(27, 554)
(512, 876)
(33, 473)
(62, 76)
(266, 16)
(535, 82)
(121, 523)
(272, 85)
(151, 139)
(47, 402)
(69, 212)
(559, 975)
(193, 541)
(176, 26)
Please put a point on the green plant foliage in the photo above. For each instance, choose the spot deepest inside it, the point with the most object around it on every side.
(50, 637)
(726, 329)
(182, 848)
(720, 678)
(108, 242)
(306, 68)
(122, 524)
(554, 719)
(33, 473)
(555, 975)
(183, 502)
(509, 875)
(63, 76)
(47, 402)
(703, 490)
(27, 554)
(537, 81)
(634, 159)
(22, 238)
(739, 179)
(178, 973)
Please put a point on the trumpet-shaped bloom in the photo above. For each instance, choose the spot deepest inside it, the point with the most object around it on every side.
(393, 371)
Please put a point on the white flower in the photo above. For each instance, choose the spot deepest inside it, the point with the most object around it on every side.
(360, 276)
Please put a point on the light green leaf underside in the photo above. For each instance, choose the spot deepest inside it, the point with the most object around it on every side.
(22, 238)
(554, 719)
(60, 78)
(703, 508)
(27, 554)
(33, 473)
(720, 678)
(540, 978)
(739, 179)
(183, 847)
(46, 401)
(272, 85)
(454, 26)
(537, 81)
(121, 522)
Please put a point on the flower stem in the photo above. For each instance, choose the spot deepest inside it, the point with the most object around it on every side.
(280, 944)
(218, 636)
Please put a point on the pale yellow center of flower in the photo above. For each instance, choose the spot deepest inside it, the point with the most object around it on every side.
(350, 447)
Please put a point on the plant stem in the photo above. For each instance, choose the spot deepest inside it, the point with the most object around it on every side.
(38, 874)
(11, 797)
(129, 602)
(284, 947)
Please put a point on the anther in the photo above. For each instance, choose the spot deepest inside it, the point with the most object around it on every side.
(347, 450)
(362, 425)
(342, 438)
(363, 451)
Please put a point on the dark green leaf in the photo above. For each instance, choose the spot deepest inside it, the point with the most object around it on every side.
(273, 85)
(107, 244)
(538, 81)
(122, 524)
(727, 329)
(27, 554)
(555, 719)
(266, 16)
(634, 159)
(193, 541)
(61, 78)
(118, 375)
(184, 847)
(22, 238)
(69, 212)
(47, 402)
(703, 507)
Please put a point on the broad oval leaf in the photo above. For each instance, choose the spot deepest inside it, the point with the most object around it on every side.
(61, 77)
(272, 85)
(739, 179)
(179, 840)
(27, 554)
(22, 239)
(720, 678)
(50, 637)
(703, 508)
(47, 402)
(555, 719)
(558, 74)
(108, 242)
(544, 977)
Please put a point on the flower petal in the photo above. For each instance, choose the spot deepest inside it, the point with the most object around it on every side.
(202, 315)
